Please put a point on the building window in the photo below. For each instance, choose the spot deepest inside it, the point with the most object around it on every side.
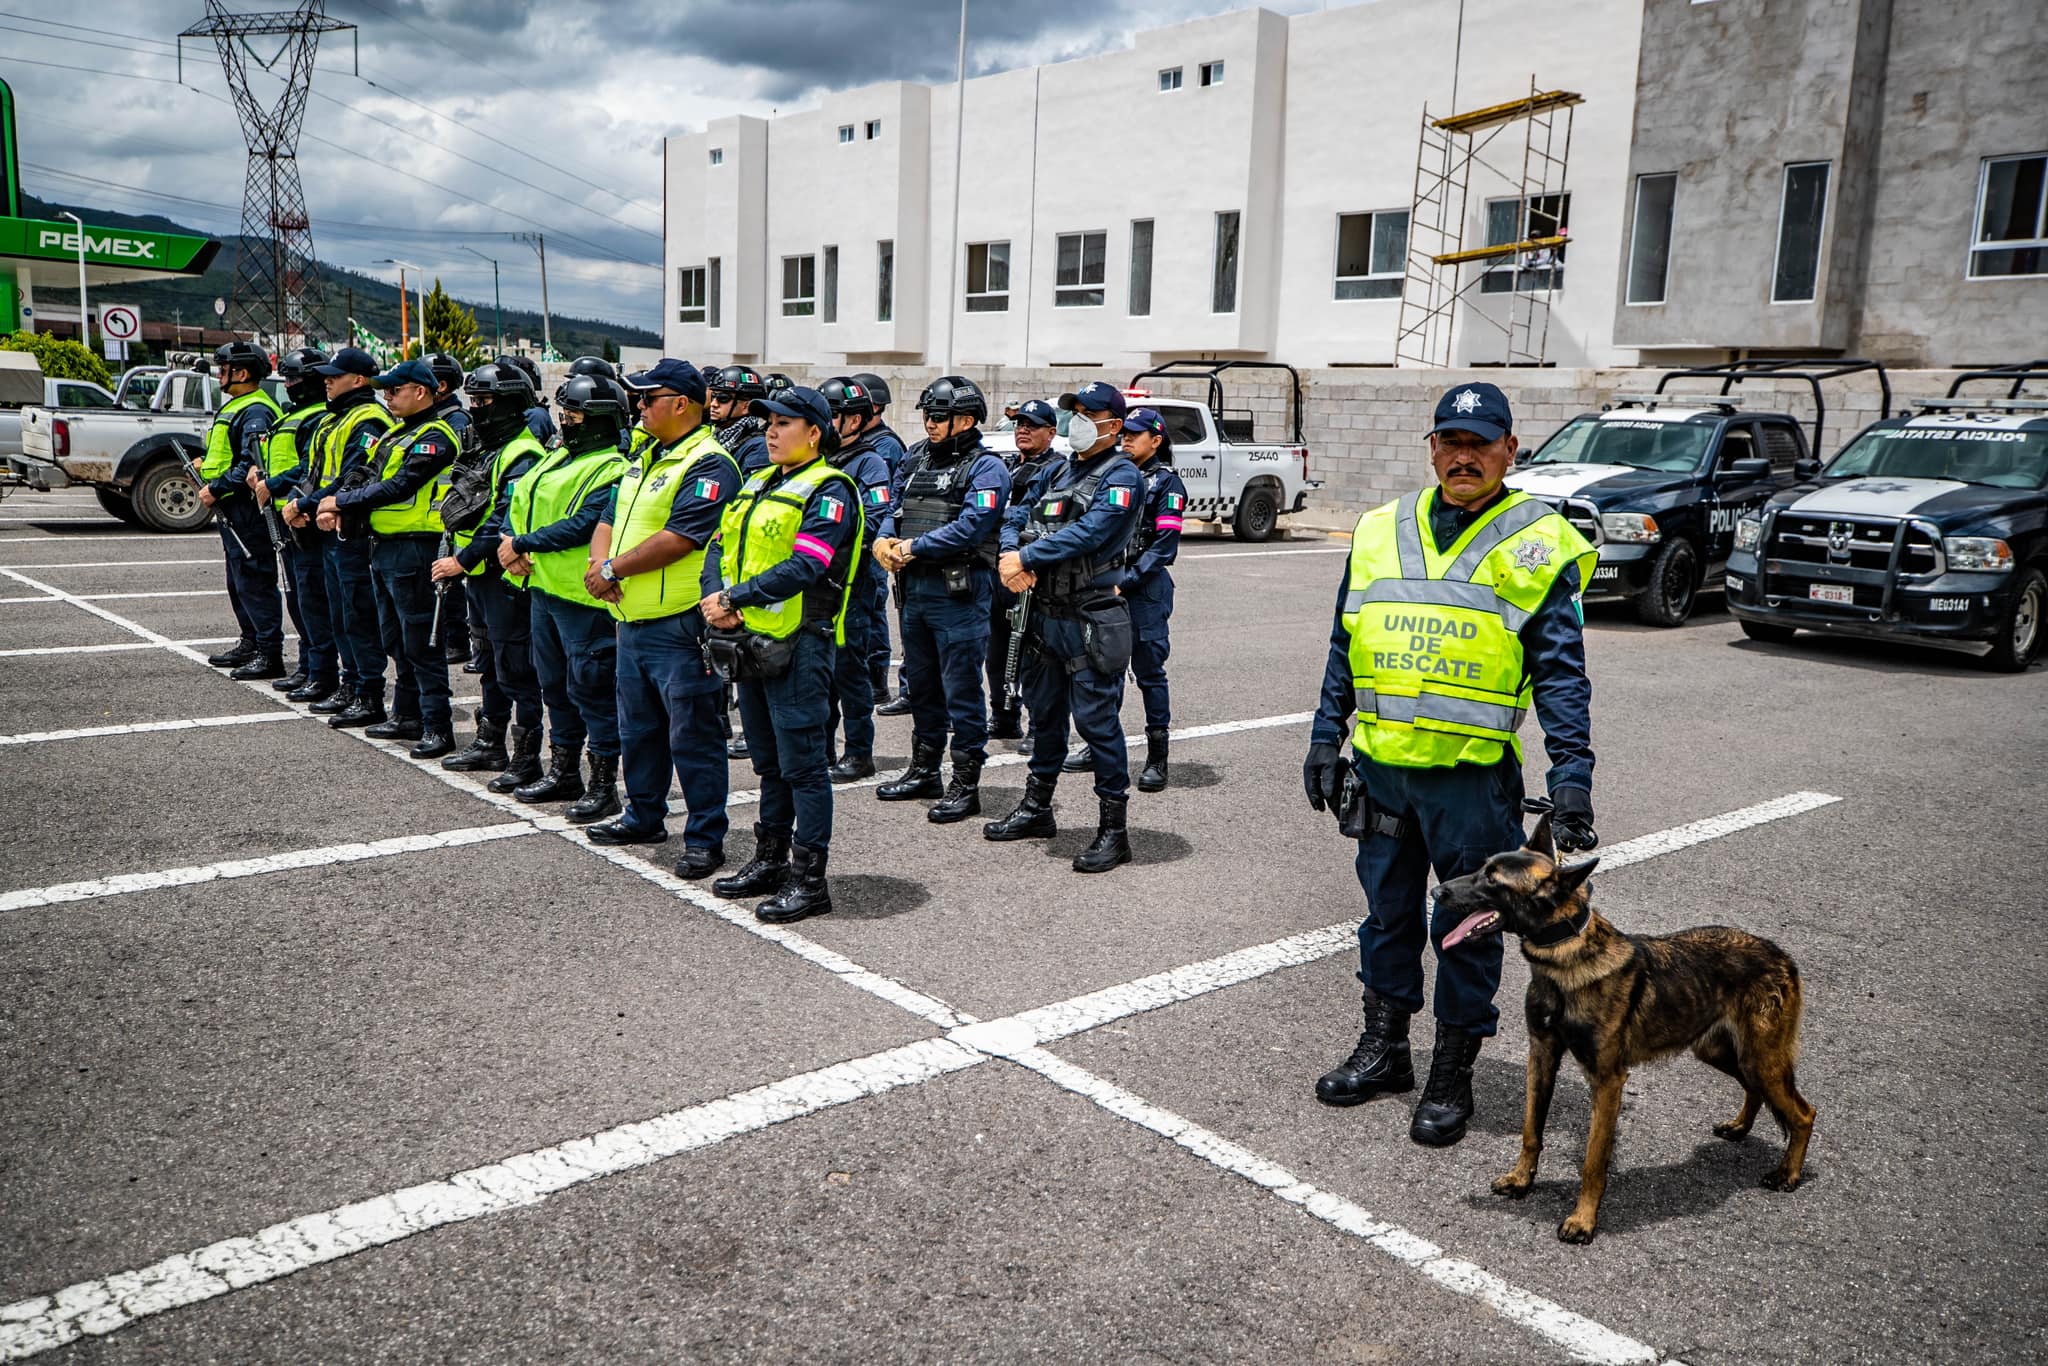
(714, 291)
(1169, 80)
(885, 282)
(1083, 263)
(799, 286)
(718, 156)
(1212, 73)
(831, 301)
(2012, 217)
(1649, 243)
(1372, 254)
(1534, 219)
(1223, 288)
(846, 132)
(1141, 267)
(690, 294)
(1802, 212)
(874, 129)
(988, 277)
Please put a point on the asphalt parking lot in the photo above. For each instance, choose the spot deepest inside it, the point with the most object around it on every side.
(308, 1052)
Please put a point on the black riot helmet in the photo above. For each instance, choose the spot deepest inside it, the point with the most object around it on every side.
(738, 381)
(604, 406)
(848, 395)
(778, 383)
(241, 355)
(499, 396)
(593, 365)
(447, 371)
(525, 365)
(295, 368)
(877, 387)
(953, 396)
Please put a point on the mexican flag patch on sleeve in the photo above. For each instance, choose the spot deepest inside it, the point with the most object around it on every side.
(984, 498)
(878, 495)
(705, 488)
(1117, 498)
(831, 509)
(1174, 502)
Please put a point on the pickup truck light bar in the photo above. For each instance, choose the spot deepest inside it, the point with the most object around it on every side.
(1811, 371)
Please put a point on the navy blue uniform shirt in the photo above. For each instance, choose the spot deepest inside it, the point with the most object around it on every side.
(1109, 521)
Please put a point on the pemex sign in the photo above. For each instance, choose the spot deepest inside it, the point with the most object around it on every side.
(41, 240)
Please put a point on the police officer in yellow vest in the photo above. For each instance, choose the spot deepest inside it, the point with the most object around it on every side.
(778, 580)
(1458, 613)
(234, 446)
(646, 560)
(411, 463)
(287, 467)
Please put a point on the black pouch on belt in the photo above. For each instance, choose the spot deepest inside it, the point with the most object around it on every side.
(1106, 636)
(724, 655)
(958, 577)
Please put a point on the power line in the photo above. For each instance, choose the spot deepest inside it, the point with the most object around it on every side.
(83, 28)
(67, 38)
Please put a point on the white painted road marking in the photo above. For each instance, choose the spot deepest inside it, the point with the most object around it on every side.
(125, 597)
(116, 564)
(37, 737)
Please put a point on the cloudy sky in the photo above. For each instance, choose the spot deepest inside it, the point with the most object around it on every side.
(474, 119)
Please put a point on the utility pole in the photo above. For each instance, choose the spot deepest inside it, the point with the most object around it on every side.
(84, 316)
(497, 301)
(959, 141)
(419, 285)
(539, 242)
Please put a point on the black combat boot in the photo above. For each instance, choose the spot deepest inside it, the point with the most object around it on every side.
(1379, 1064)
(313, 690)
(803, 895)
(963, 794)
(601, 795)
(396, 728)
(1111, 845)
(1080, 760)
(522, 765)
(1446, 1105)
(235, 656)
(335, 702)
(899, 705)
(878, 679)
(261, 665)
(1031, 820)
(1152, 778)
(855, 765)
(1006, 723)
(563, 782)
(365, 709)
(485, 754)
(292, 681)
(436, 740)
(699, 860)
(921, 779)
(765, 872)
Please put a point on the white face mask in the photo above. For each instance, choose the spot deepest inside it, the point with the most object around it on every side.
(1082, 431)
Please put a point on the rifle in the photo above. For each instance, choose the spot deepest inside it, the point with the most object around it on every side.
(273, 523)
(440, 593)
(354, 477)
(1020, 619)
(192, 472)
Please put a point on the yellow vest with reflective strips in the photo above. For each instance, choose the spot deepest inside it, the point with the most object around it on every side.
(554, 488)
(421, 512)
(1436, 656)
(220, 452)
(336, 435)
(647, 494)
(283, 450)
(507, 456)
(758, 532)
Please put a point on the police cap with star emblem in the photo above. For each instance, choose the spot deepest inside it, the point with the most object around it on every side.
(1479, 408)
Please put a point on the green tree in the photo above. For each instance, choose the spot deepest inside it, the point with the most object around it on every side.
(452, 328)
(611, 350)
(59, 358)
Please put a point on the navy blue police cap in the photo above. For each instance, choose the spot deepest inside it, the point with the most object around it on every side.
(1037, 412)
(408, 372)
(1479, 408)
(1096, 398)
(803, 403)
(349, 360)
(678, 376)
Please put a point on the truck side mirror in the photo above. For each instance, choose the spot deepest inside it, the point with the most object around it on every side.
(1755, 467)
(1809, 468)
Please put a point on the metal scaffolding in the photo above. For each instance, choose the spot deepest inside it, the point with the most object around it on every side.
(277, 283)
(1436, 282)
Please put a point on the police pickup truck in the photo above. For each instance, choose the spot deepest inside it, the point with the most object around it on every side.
(1657, 482)
(1929, 527)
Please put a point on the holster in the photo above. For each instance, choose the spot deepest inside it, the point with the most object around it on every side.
(745, 656)
(1358, 817)
(1107, 638)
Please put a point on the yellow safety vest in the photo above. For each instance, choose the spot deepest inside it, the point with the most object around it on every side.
(336, 435)
(505, 459)
(220, 451)
(647, 494)
(421, 512)
(283, 450)
(552, 490)
(759, 531)
(1436, 655)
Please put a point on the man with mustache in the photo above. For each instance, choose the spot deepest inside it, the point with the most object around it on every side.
(1458, 613)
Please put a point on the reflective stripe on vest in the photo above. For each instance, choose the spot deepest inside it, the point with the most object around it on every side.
(1436, 658)
(554, 489)
(220, 449)
(647, 495)
(421, 512)
(505, 459)
(336, 435)
(281, 452)
(759, 531)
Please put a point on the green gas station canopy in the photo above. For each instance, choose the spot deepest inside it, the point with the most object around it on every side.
(112, 255)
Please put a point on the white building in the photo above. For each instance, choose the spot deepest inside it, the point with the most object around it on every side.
(1232, 186)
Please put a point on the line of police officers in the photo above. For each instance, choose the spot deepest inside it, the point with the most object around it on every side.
(664, 547)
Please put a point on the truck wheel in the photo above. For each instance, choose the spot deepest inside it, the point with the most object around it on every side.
(1769, 635)
(166, 499)
(1258, 513)
(1674, 583)
(118, 504)
(2019, 635)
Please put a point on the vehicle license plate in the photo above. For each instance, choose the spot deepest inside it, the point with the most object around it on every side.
(1832, 592)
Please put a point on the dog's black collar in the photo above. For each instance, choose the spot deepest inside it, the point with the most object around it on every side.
(1552, 935)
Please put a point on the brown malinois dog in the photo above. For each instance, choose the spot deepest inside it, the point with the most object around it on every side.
(1614, 1001)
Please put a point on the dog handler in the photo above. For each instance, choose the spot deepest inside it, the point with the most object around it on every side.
(1459, 610)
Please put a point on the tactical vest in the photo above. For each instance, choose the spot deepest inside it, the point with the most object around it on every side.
(419, 514)
(1435, 652)
(335, 436)
(284, 450)
(647, 495)
(760, 530)
(220, 441)
(507, 456)
(933, 497)
(553, 490)
(1068, 583)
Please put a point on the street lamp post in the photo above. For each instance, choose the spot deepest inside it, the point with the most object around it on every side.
(497, 300)
(84, 316)
(419, 285)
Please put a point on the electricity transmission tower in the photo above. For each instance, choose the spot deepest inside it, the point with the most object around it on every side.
(277, 287)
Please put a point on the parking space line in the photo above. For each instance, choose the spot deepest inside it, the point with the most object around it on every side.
(115, 564)
(120, 646)
(29, 898)
(67, 540)
(37, 737)
(33, 597)
(1215, 555)
(124, 597)
(526, 1179)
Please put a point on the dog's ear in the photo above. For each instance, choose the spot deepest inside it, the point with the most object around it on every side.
(1570, 876)
(1539, 839)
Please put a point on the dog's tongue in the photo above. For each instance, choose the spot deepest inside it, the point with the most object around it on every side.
(1465, 928)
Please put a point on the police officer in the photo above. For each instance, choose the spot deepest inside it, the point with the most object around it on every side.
(288, 462)
(646, 562)
(853, 697)
(1034, 420)
(1066, 544)
(890, 447)
(1458, 611)
(940, 536)
(553, 512)
(464, 634)
(341, 445)
(778, 580)
(234, 447)
(502, 396)
(411, 463)
(739, 431)
(1146, 584)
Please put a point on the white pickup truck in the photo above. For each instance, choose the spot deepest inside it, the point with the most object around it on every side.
(24, 385)
(128, 454)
